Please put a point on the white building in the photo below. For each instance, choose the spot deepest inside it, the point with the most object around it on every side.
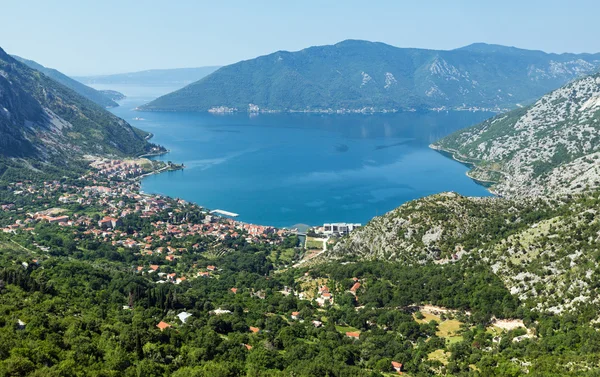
(339, 228)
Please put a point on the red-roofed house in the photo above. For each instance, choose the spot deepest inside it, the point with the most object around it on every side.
(163, 325)
(234, 290)
(355, 287)
(255, 330)
(353, 334)
(397, 366)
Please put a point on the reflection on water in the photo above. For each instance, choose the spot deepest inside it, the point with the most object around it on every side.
(284, 169)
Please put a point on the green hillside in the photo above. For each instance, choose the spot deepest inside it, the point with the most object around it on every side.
(87, 92)
(359, 75)
(46, 121)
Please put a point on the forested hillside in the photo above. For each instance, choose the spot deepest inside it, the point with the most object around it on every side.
(365, 76)
(43, 120)
(90, 93)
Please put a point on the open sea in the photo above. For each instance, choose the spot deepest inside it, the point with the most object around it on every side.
(287, 169)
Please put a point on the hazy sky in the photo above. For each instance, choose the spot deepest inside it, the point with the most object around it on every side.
(109, 36)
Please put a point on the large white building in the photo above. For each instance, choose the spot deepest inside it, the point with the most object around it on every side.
(339, 228)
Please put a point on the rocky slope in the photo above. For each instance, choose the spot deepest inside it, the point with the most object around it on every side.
(547, 148)
(84, 90)
(545, 251)
(366, 76)
(44, 120)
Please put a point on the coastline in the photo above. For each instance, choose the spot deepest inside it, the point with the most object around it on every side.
(364, 111)
(471, 165)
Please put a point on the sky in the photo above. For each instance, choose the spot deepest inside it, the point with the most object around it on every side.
(80, 37)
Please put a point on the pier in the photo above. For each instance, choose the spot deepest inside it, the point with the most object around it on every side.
(226, 213)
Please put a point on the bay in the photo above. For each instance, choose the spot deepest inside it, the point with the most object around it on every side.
(285, 169)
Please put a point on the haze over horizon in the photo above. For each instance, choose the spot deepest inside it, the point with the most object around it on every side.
(111, 37)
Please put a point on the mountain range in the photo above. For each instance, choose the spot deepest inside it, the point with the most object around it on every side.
(43, 120)
(175, 76)
(367, 76)
(84, 90)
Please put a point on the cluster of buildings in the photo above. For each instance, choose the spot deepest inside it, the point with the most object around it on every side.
(121, 169)
(98, 205)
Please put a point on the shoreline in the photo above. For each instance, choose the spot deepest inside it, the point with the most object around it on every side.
(364, 111)
(453, 155)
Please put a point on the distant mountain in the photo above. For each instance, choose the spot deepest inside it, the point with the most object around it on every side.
(86, 91)
(113, 94)
(43, 120)
(552, 146)
(359, 75)
(176, 76)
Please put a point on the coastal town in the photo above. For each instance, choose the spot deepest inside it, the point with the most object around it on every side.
(106, 205)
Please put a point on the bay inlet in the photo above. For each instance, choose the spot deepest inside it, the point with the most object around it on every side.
(284, 169)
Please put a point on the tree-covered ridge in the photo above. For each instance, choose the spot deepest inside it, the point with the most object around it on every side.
(360, 75)
(42, 119)
(550, 147)
(84, 90)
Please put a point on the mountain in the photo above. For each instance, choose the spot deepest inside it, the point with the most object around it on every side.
(551, 146)
(368, 76)
(175, 76)
(113, 94)
(89, 93)
(43, 120)
(544, 251)
(541, 237)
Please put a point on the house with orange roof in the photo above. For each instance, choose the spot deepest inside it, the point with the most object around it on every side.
(163, 325)
(355, 288)
(154, 267)
(234, 290)
(255, 330)
(295, 315)
(353, 334)
(397, 366)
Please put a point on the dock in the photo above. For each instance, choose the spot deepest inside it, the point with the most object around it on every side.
(226, 213)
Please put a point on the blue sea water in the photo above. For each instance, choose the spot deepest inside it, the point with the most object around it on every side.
(285, 169)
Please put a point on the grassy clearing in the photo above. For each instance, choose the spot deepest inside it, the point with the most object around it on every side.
(286, 256)
(448, 329)
(345, 329)
(428, 318)
(314, 243)
(439, 355)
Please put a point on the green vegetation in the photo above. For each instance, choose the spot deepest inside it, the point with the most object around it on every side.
(50, 123)
(353, 75)
(548, 148)
(92, 94)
